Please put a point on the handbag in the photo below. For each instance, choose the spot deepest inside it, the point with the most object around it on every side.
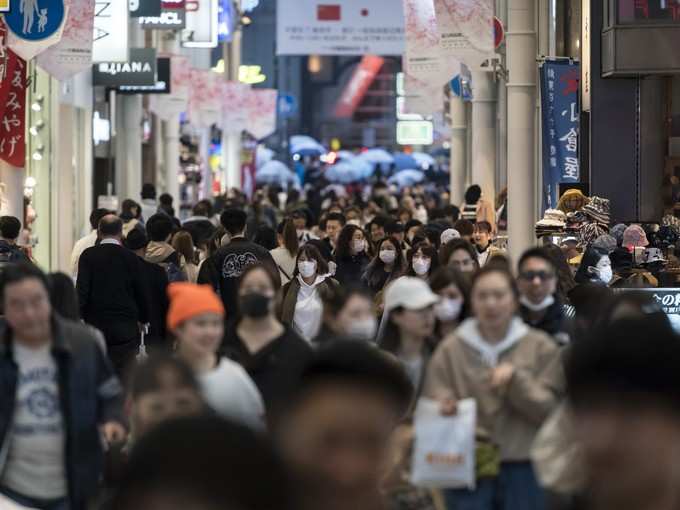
(141, 353)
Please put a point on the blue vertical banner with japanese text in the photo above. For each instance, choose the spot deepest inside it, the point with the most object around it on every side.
(560, 126)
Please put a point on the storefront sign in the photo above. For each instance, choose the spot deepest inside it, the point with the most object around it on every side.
(139, 8)
(339, 27)
(667, 298)
(201, 24)
(355, 90)
(169, 19)
(140, 70)
(560, 114)
(12, 104)
(415, 132)
(73, 54)
(110, 31)
(162, 85)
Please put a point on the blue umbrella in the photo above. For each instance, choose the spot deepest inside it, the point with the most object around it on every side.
(425, 161)
(275, 172)
(377, 156)
(407, 178)
(343, 172)
(306, 146)
(405, 162)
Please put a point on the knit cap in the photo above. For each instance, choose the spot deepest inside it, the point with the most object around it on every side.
(606, 242)
(635, 236)
(617, 232)
(187, 300)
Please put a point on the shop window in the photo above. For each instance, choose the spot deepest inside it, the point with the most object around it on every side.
(640, 12)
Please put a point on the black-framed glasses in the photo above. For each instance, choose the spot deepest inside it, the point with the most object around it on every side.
(530, 276)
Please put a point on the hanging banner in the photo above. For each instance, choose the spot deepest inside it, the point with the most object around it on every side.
(171, 105)
(420, 97)
(73, 54)
(358, 85)
(110, 43)
(466, 28)
(201, 24)
(261, 105)
(34, 25)
(560, 116)
(234, 112)
(12, 104)
(424, 57)
(204, 98)
(339, 27)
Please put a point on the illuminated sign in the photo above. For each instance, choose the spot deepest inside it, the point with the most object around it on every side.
(4, 5)
(415, 132)
(251, 75)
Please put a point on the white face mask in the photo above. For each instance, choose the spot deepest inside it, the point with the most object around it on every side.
(448, 309)
(359, 246)
(604, 270)
(364, 329)
(546, 303)
(388, 256)
(307, 268)
(421, 266)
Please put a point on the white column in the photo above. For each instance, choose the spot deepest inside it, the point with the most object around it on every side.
(129, 147)
(458, 149)
(483, 152)
(205, 190)
(231, 143)
(521, 51)
(171, 156)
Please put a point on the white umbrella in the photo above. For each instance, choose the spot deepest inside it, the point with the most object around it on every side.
(263, 155)
(343, 172)
(275, 172)
(407, 178)
(339, 190)
(306, 146)
(377, 156)
(346, 155)
(424, 160)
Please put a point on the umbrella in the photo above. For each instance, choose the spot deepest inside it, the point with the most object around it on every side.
(406, 178)
(405, 162)
(263, 155)
(343, 172)
(346, 155)
(339, 190)
(425, 161)
(306, 146)
(377, 156)
(275, 172)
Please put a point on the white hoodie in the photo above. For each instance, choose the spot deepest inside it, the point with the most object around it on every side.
(470, 334)
(308, 309)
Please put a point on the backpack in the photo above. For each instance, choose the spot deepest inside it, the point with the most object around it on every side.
(173, 269)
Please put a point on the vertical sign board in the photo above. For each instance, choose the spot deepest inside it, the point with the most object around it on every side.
(585, 55)
(110, 41)
(560, 126)
(201, 24)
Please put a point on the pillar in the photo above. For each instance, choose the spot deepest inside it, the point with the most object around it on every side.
(231, 142)
(171, 158)
(521, 58)
(458, 149)
(129, 147)
(483, 148)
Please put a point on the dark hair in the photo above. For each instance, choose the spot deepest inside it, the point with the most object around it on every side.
(453, 211)
(126, 210)
(234, 220)
(266, 237)
(381, 220)
(354, 364)
(323, 248)
(17, 273)
(464, 227)
(110, 226)
(343, 248)
(184, 245)
(166, 199)
(203, 208)
(487, 270)
(215, 239)
(394, 227)
(565, 276)
(149, 191)
(146, 377)
(166, 460)
(376, 268)
(643, 302)
(136, 239)
(445, 276)
(483, 226)
(336, 299)
(286, 229)
(447, 250)
(96, 216)
(336, 217)
(536, 253)
(591, 257)
(312, 253)
(10, 227)
(412, 223)
(429, 251)
(63, 296)
(159, 227)
(273, 275)
(633, 361)
(473, 194)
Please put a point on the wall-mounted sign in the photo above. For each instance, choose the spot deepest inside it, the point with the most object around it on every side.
(201, 24)
(35, 20)
(415, 132)
(139, 70)
(110, 31)
(162, 85)
(169, 19)
(139, 8)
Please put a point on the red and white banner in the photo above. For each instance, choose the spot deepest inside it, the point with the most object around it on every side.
(169, 106)
(12, 104)
(466, 28)
(359, 83)
(234, 113)
(73, 54)
(204, 98)
(422, 97)
(261, 107)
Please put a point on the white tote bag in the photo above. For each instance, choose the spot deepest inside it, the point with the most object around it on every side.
(444, 449)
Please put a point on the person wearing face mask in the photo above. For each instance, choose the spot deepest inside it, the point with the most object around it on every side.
(351, 255)
(196, 320)
(387, 265)
(596, 267)
(347, 313)
(539, 306)
(460, 255)
(271, 352)
(514, 373)
(302, 305)
(422, 261)
(453, 290)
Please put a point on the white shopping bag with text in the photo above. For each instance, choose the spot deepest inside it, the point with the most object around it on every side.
(444, 449)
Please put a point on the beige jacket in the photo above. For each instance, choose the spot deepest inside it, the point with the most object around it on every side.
(509, 417)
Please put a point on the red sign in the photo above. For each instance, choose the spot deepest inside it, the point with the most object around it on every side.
(173, 4)
(358, 85)
(12, 104)
(328, 12)
(498, 33)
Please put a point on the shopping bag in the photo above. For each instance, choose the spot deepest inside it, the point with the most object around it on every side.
(444, 449)
(141, 354)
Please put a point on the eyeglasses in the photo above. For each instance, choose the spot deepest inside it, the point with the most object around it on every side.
(530, 276)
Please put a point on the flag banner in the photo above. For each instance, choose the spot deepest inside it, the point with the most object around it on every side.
(234, 111)
(171, 105)
(339, 27)
(204, 98)
(12, 104)
(466, 29)
(261, 106)
(358, 85)
(560, 126)
(421, 97)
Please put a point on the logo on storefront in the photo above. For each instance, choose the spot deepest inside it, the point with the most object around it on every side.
(34, 20)
(140, 70)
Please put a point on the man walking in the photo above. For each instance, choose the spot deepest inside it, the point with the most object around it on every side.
(112, 293)
(58, 394)
(10, 228)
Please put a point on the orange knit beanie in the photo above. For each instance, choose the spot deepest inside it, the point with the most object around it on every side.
(188, 300)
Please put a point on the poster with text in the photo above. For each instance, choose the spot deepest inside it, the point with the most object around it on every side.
(466, 29)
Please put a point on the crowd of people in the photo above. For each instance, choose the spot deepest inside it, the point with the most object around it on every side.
(272, 352)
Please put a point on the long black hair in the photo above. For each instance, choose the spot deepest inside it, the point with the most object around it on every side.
(445, 276)
(344, 248)
(376, 269)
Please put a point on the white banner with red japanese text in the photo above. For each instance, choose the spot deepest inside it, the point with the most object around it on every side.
(12, 104)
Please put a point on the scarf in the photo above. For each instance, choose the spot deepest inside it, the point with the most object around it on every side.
(490, 353)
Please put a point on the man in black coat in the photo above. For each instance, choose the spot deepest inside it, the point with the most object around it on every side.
(111, 292)
(224, 269)
(156, 282)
